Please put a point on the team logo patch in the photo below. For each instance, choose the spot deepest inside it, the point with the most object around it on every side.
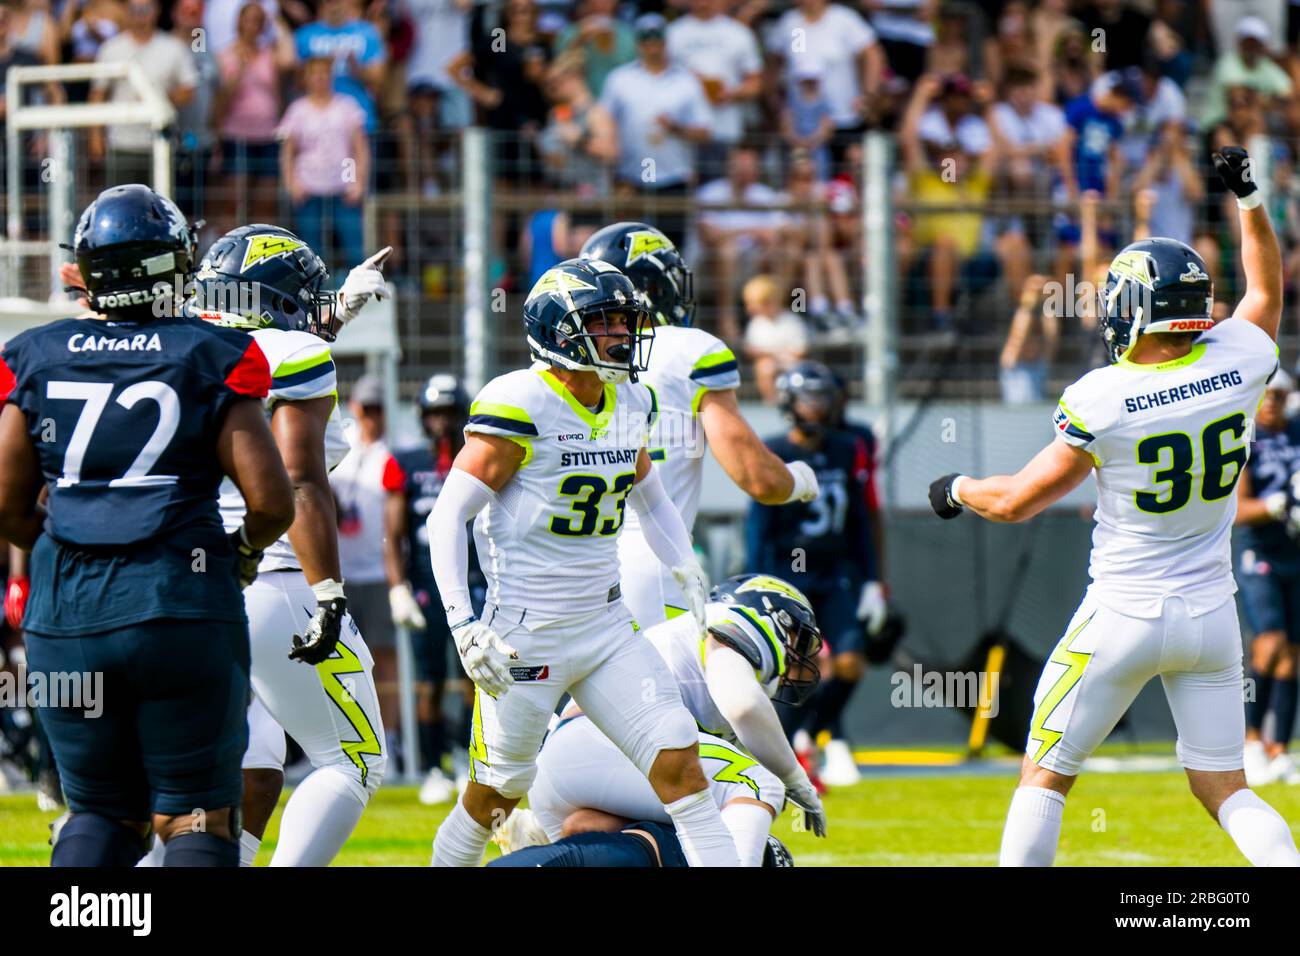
(764, 582)
(266, 247)
(556, 280)
(1193, 273)
(540, 672)
(642, 244)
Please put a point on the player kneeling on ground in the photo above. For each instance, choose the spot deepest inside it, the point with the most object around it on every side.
(1164, 428)
(552, 457)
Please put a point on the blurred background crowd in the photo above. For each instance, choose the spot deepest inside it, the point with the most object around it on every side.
(1029, 140)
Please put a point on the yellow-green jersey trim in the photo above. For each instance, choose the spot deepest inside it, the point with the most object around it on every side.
(599, 419)
(1191, 358)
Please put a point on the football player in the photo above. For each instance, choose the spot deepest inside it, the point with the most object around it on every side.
(1164, 428)
(613, 842)
(827, 548)
(311, 669)
(1268, 573)
(412, 479)
(695, 377)
(553, 455)
(761, 644)
(130, 423)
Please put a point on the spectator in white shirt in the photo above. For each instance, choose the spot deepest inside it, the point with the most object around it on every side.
(1158, 101)
(852, 61)
(723, 54)
(775, 338)
(167, 62)
(740, 235)
(661, 112)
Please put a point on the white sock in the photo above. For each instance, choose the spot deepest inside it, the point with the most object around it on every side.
(460, 840)
(704, 837)
(1258, 830)
(319, 818)
(749, 825)
(248, 847)
(155, 855)
(1033, 827)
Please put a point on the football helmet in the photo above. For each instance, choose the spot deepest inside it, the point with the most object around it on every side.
(261, 276)
(1154, 285)
(132, 246)
(570, 295)
(749, 610)
(652, 262)
(813, 384)
(443, 392)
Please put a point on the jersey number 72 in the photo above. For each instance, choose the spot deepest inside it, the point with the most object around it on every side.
(94, 396)
(1175, 457)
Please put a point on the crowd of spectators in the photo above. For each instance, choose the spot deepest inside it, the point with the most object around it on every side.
(737, 122)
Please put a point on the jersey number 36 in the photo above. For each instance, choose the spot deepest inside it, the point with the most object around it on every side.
(1175, 457)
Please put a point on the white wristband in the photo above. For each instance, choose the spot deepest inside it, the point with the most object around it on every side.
(1251, 201)
(952, 491)
(328, 590)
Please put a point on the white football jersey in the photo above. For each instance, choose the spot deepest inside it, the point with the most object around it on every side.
(548, 541)
(684, 364)
(680, 643)
(301, 368)
(1169, 442)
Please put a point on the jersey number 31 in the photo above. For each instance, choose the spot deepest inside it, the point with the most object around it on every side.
(1175, 456)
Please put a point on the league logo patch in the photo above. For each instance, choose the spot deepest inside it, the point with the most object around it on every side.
(265, 247)
(540, 672)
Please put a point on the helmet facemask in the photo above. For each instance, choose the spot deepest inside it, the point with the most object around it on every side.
(628, 357)
(803, 642)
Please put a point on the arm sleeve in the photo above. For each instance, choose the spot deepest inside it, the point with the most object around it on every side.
(749, 826)
(740, 698)
(661, 522)
(462, 497)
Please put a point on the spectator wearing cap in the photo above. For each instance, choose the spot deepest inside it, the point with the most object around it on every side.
(354, 48)
(325, 161)
(661, 112)
(1155, 101)
(1268, 19)
(252, 70)
(851, 58)
(358, 484)
(724, 56)
(806, 120)
(1247, 65)
(603, 41)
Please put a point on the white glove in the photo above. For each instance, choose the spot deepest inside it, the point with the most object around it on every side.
(364, 281)
(405, 608)
(695, 585)
(1276, 504)
(805, 482)
(485, 657)
(804, 796)
(872, 606)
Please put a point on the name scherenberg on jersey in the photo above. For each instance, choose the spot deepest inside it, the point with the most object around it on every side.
(1170, 440)
(267, 281)
(686, 362)
(579, 464)
(767, 621)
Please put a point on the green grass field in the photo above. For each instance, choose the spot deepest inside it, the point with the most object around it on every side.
(1113, 819)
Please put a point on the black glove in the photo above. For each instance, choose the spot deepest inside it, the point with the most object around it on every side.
(1236, 170)
(941, 497)
(247, 558)
(322, 632)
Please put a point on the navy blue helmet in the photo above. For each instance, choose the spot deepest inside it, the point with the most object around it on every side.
(654, 265)
(443, 391)
(262, 276)
(782, 615)
(131, 245)
(811, 384)
(1154, 285)
(569, 296)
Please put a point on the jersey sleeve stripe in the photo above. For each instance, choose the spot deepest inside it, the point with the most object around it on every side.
(489, 422)
(715, 358)
(318, 370)
(317, 358)
(251, 376)
(719, 370)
